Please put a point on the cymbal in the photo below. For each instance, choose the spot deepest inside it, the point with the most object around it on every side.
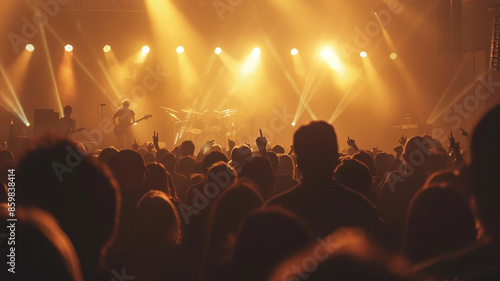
(230, 110)
(169, 109)
(175, 117)
(191, 111)
(196, 131)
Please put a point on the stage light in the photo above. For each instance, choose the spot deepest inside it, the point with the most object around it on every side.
(145, 50)
(394, 56)
(28, 124)
(251, 62)
(293, 124)
(106, 48)
(30, 48)
(218, 51)
(294, 52)
(363, 54)
(333, 60)
(180, 50)
(68, 48)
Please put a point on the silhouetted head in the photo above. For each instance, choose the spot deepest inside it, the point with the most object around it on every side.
(366, 158)
(416, 152)
(80, 193)
(160, 153)
(285, 166)
(126, 103)
(187, 148)
(219, 177)
(344, 255)
(239, 155)
(42, 249)
(149, 158)
(233, 206)
(485, 165)
(267, 237)
(439, 221)
(355, 175)
(107, 153)
(259, 171)
(185, 166)
(273, 160)
(436, 162)
(317, 150)
(212, 158)
(68, 110)
(382, 163)
(158, 179)
(157, 223)
(169, 162)
(278, 149)
(129, 170)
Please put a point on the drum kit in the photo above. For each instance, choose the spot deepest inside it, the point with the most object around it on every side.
(207, 125)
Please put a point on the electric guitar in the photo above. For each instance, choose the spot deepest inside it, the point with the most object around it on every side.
(70, 132)
(122, 128)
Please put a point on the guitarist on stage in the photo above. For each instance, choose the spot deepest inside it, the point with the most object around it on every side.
(66, 125)
(126, 117)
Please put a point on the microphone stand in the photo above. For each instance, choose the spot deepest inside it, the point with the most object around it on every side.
(102, 105)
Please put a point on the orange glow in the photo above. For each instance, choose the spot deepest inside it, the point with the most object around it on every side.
(66, 81)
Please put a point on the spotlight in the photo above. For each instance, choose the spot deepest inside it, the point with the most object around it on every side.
(293, 124)
(145, 50)
(363, 54)
(256, 51)
(30, 48)
(28, 124)
(331, 57)
(394, 56)
(180, 50)
(68, 48)
(294, 52)
(106, 48)
(218, 51)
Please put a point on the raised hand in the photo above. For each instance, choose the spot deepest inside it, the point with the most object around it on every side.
(231, 144)
(135, 145)
(403, 139)
(150, 147)
(261, 142)
(352, 143)
(398, 149)
(453, 144)
(155, 140)
(208, 144)
(464, 133)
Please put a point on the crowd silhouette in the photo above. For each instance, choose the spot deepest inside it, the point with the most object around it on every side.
(233, 212)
